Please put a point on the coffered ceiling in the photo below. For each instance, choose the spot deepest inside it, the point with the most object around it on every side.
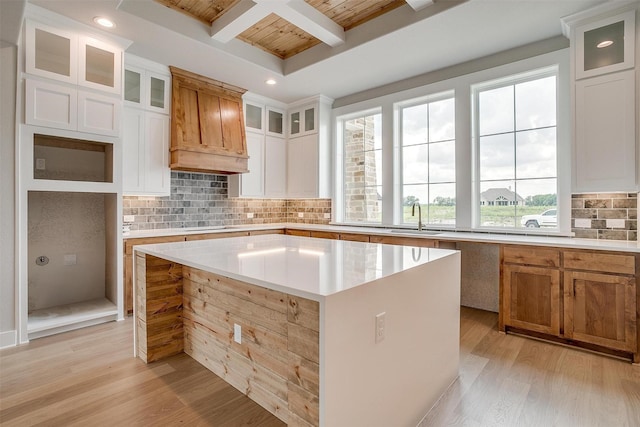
(284, 27)
(384, 50)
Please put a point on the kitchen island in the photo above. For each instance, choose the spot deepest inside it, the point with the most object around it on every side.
(317, 331)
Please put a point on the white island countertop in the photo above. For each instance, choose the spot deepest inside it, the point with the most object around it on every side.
(307, 267)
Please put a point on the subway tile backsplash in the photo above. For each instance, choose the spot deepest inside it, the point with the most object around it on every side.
(201, 200)
(612, 216)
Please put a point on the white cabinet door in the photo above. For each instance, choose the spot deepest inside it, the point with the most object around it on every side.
(275, 167)
(98, 114)
(133, 151)
(157, 171)
(51, 105)
(302, 166)
(51, 52)
(99, 65)
(252, 183)
(605, 133)
(145, 139)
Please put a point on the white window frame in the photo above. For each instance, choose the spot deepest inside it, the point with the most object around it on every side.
(465, 181)
(512, 80)
(398, 159)
(338, 200)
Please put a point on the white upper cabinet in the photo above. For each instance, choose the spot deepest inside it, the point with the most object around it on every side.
(146, 135)
(253, 117)
(604, 116)
(275, 122)
(605, 144)
(64, 107)
(605, 46)
(303, 120)
(72, 58)
(309, 149)
(147, 85)
(99, 65)
(51, 53)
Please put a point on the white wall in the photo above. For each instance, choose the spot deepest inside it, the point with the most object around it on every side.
(8, 55)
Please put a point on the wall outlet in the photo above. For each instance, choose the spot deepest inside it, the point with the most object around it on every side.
(300, 215)
(249, 215)
(237, 333)
(70, 259)
(40, 164)
(327, 216)
(380, 326)
(129, 218)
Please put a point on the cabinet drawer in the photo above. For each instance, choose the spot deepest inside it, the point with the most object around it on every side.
(603, 262)
(303, 233)
(130, 243)
(325, 235)
(405, 241)
(354, 237)
(209, 236)
(531, 256)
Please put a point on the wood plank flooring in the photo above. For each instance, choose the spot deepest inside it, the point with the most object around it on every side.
(89, 377)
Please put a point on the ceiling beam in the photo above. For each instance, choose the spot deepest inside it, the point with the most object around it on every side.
(241, 16)
(419, 4)
(308, 18)
(304, 16)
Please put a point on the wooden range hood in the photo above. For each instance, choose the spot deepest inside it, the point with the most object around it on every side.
(207, 125)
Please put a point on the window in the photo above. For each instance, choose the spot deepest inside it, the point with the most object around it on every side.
(362, 168)
(428, 160)
(516, 150)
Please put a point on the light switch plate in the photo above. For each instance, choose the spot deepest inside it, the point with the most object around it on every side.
(249, 215)
(129, 218)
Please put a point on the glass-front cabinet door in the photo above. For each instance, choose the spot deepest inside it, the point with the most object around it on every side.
(99, 65)
(294, 122)
(253, 117)
(146, 89)
(51, 52)
(275, 122)
(133, 82)
(605, 46)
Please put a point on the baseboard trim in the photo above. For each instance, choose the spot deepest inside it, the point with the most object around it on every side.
(8, 339)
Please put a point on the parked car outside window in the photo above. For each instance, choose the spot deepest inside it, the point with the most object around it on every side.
(547, 218)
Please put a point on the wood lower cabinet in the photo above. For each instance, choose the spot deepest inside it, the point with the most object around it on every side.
(531, 298)
(600, 309)
(406, 241)
(580, 297)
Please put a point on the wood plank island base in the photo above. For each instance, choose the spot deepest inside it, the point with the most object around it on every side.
(319, 332)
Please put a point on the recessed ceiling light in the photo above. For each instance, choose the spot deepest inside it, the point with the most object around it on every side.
(604, 43)
(270, 81)
(105, 22)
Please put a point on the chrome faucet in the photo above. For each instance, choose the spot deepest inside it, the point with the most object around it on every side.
(413, 213)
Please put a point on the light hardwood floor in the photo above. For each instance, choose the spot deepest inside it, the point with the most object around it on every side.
(89, 377)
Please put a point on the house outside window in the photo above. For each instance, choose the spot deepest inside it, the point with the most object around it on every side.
(362, 148)
(516, 149)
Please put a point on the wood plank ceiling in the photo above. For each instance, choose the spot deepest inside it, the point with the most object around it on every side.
(278, 36)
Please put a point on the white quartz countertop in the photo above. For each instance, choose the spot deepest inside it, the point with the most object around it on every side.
(455, 236)
(308, 267)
